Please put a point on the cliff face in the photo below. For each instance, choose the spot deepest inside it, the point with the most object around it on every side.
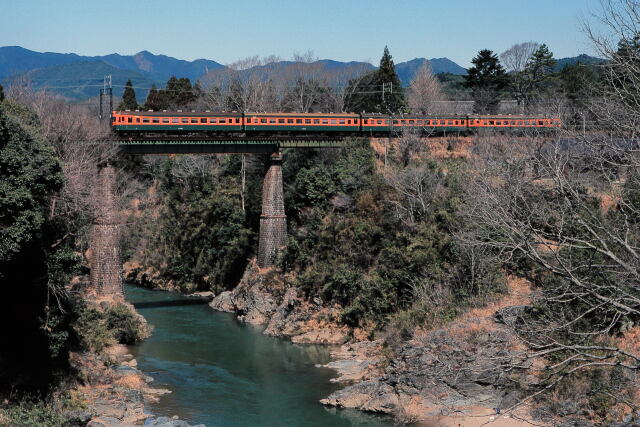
(263, 298)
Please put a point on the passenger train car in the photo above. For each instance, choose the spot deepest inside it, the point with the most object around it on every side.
(177, 122)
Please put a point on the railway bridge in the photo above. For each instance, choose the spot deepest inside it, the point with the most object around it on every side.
(106, 264)
(269, 133)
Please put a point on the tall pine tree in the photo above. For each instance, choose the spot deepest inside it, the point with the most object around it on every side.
(538, 69)
(486, 79)
(392, 100)
(379, 91)
(153, 99)
(129, 101)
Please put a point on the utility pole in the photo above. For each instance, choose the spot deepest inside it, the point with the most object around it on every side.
(107, 89)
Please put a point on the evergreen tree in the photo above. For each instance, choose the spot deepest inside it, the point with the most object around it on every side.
(129, 101)
(1, 93)
(393, 100)
(538, 69)
(486, 78)
(153, 99)
(359, 98)
(379, 91)
(622, 69)
(178, 93)
(578, 82)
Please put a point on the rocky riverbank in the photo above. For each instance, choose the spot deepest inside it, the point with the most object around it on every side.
(115, 391)
(112, 389)
(263, 298)
(465, 372)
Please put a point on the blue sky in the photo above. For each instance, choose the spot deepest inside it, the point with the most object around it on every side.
(336, 29)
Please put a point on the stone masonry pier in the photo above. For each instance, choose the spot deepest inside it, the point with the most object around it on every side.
(273, 221)
(106, 265)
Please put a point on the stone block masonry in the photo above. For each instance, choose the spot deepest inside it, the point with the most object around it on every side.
(106, 265)
(273, 221)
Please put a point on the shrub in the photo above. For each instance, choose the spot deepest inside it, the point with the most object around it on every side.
(126, 326)
(30, 412)
(98, 329)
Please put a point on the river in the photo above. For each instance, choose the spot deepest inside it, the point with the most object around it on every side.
(224, 373)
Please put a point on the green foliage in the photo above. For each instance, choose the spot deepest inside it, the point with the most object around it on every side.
(540, 65)
(578, 82)
(153, 99)
(177, 93)
(92, 330)
(202, 237)
(30, 172)
(486, 78)
(35, 412)
(98, 329)
(37, 257)
(129, 101)
(366, 93)
(348, 246)
(126, 326)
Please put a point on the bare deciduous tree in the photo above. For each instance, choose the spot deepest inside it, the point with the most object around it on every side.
(424, 92)
(515, 60)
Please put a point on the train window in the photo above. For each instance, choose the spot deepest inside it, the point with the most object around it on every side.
(212, 120)
(165, 120)
(184, 120)
(289, 120)
(411, 122)
(156, 120)
(237, 119)
(395, 122)
(129, 119)
(194, 120)
(365, 121)
(540, 122)
(341, 121)
(203, 120)
(145, 120)
(272, 120)
(263, 120)
(299, 121)
(333, 121)
(307, 121)
(137, 119)
(348, 122)
(223, 120)
(280, 120)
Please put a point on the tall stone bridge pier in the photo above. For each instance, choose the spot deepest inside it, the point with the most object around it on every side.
(106, 262)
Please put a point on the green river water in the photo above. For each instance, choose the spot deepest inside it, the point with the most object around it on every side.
(224, 373)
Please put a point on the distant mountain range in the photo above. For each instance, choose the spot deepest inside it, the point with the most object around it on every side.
(79, 77)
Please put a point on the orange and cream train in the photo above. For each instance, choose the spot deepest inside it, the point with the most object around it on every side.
(179, 122)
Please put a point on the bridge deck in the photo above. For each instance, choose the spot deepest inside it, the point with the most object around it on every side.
(212, 146)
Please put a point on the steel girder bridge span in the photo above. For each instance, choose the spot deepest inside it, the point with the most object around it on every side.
(228, 145)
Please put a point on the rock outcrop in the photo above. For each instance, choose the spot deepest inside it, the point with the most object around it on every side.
(471, 366)
(263, 298)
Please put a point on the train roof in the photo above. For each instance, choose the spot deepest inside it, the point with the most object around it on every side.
(178, 113)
